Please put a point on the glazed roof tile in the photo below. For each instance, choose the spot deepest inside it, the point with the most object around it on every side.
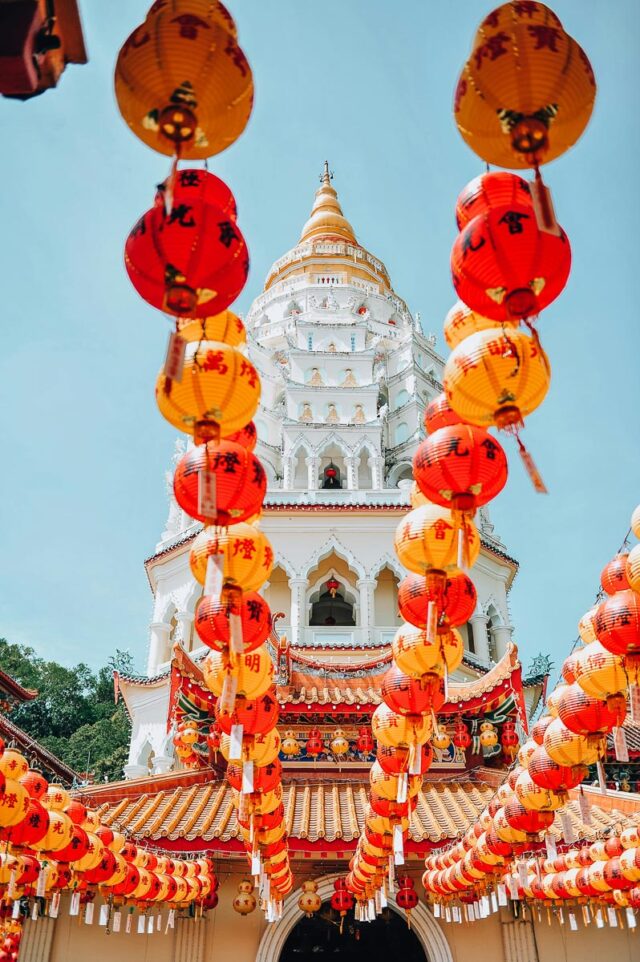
(331, 811)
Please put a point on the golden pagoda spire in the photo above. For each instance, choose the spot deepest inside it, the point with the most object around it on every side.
(327, 219)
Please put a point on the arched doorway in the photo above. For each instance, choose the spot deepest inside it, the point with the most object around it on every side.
(320, 938)
(435, 947)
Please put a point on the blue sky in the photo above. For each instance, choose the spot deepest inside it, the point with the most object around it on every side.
(367, 84)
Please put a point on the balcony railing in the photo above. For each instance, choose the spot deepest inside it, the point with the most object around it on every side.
(339, 637)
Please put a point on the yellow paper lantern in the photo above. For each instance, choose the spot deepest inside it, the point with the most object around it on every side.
(416, 497)
(599, 672)
(504, 831)
(441, 739)
(226, 327)
(339, 743)
(290, 744)
(217, 394)
(537, 799)
(260, 749)
(461, 321)
(427, 539)
(93, 857)
(496, 378)
(13, 764)
(59, 833)
(635, 521)
(245, 552)
(586, 628)
(183, 83)
(633, 568)
(417, 657)
(527, 91)
(399, 731)
(566, 748)
(386, 786)
(254, 672)
(14, 803)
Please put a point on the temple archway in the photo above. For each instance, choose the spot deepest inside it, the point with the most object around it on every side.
(430, 937)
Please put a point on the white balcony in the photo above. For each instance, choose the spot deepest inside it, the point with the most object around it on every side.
(339, 637)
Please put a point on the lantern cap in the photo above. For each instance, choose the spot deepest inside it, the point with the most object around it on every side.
(326, 216)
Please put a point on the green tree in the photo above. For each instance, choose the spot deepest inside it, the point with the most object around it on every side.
(74, 715)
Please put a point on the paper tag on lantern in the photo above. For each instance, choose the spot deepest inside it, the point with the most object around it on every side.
(601, 778)
(54, 907)
(447, 913)
(15, 911)
(585, 808)
(214, 576)
(415, 760)
(35, 911)
(88, 913)
(586, 914)
(247, 778)
(599, 919)
(468, 914)
(11, 891)
(391, 875)
(476, 911)
(398, 845)
(634, 703)
(378, 902)
(142, 925)
(502, 894)
(255, 863)
(613, 918)
(620, 744)
(74, 904)
(436, 910)
(523, 876)
(174, 359)
(543, 207)
(383, 899)
(550, 845)
(227, 700)
(568, 833)
(171, 919)
(235, 743)
(158, 922)
(42, 882)
(494, 902)
(457, 914)
(560, 916)
(207, 498)
(631, 918)
(128, 923)
(103, 917)
(432, 622)
(573, 922)
(235, 634)
(116, 921)
(150, 925)
(484, 906)
(401, 796)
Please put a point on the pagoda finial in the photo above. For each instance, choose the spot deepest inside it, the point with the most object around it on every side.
(327, 219)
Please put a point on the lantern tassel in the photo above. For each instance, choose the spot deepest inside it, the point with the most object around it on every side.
(170, 185)
(462, 547)
(530, 468)
(207, 500)
(432, 622)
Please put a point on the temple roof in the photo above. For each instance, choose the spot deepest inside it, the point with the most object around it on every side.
(37, 754)
(319, 814)
(9, 686)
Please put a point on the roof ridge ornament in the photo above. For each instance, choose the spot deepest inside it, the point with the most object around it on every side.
(327, 175)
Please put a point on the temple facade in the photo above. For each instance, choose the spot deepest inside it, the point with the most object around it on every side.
(346, 373)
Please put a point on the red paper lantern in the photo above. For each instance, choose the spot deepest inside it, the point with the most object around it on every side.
(314, 745)
(194, 185)
(617, 623)
(496, 188)
(77, 848)
(256, 715)
(32, 829)
(238, 478)
(524, 820)
(212, 621)
(509, 739)
(439, 414)
(246, 436)
(614, 574)
(540, 727)
(548, 774)
(342, 899)
(192, 261)
(461, 736)
(104, 870)
(412, 696)
(585, 715)
(456, 603)
(390, 809)
(504, 267)
(265, 777)
(35, 783)
(364, 742)
(460, 467)
(394, 761)
(406, 896)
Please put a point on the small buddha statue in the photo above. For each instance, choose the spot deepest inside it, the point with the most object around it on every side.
(306, 412)
(358, 417)
(316, 378)
(349, 380)
(332, 416)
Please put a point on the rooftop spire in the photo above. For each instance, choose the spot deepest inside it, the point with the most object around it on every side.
(327, 219)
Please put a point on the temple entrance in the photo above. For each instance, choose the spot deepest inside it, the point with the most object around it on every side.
(319, 938)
